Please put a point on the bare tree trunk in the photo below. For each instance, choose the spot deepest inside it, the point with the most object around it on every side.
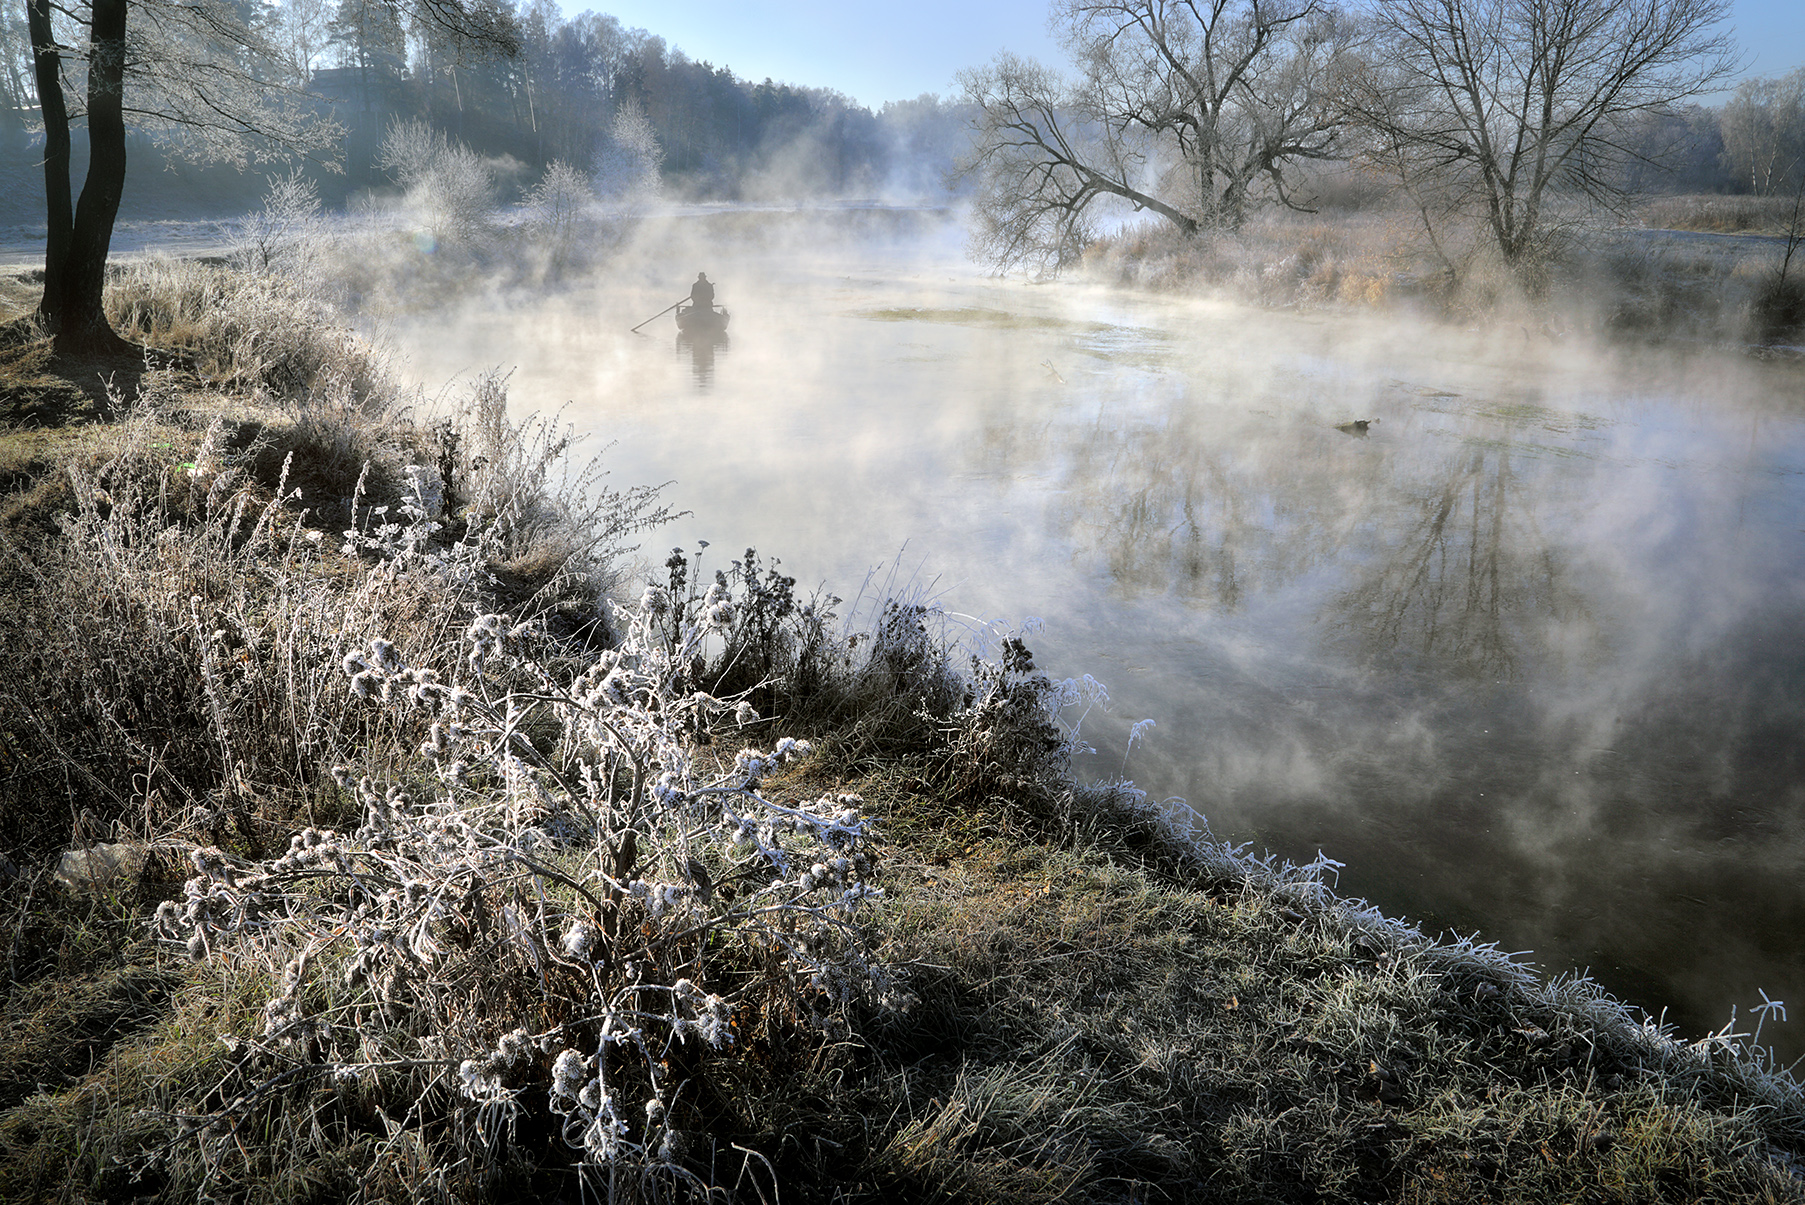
(75, 250)
(82, 324)
(47, 67)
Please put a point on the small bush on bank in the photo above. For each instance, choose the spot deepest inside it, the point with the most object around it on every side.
(1778, 307)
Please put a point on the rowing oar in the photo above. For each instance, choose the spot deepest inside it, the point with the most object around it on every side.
(661, 313)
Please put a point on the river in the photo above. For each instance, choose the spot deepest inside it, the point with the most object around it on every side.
(1527, 654)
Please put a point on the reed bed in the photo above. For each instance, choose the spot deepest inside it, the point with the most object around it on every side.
(1658, 274)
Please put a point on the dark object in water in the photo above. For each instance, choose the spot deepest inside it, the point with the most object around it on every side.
(694, 319)
(1357, 427)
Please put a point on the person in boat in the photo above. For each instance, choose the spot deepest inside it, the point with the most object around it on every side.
(701, 294)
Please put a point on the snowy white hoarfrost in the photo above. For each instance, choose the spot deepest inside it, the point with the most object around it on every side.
(504, 878)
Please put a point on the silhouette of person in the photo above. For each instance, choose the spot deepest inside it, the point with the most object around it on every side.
(701, 294)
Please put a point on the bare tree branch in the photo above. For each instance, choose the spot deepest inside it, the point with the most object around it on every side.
(1506, 104)
(1185, 108)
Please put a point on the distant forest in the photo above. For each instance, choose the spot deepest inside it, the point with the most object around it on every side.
(563, 97)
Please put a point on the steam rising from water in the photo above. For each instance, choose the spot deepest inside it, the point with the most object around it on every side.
(1526, 655)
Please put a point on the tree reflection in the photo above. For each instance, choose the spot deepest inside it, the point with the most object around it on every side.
(1471, 583)
(1216, 519)
(1431, 554)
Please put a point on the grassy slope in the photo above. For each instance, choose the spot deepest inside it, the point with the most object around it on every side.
(1104, 1011)
(1119, 1016)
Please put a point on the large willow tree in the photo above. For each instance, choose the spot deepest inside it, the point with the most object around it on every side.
(1505, 107)
(1194, 110)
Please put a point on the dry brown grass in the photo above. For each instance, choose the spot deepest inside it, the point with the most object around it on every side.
(1594, 277)
(1362, 259)
(1719, 215)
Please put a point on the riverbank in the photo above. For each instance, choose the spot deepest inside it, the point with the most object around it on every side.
(374, 809)
(1703, 270)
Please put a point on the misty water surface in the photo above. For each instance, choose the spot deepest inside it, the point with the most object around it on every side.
(1527, 656)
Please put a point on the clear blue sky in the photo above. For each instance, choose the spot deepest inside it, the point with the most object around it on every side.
(898, 49)
(873, 52)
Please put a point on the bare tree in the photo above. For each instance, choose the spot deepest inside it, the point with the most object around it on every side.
(190, 71)
(1040, 168)
(1764, 132)
(1501, 105)
(449, 186)
(628, 163)
(15, 75)
(299, 31)
(1184, 108)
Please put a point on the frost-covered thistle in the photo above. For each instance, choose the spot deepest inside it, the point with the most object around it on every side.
(600, 877)
(717, 608)
(579, 939)
(754, 765)
(479, 1079)
(569, 1073)
(709, 1016)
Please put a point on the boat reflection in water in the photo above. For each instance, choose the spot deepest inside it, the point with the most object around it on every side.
(702, 332)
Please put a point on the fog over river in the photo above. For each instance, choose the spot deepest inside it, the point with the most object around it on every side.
(1528, 655)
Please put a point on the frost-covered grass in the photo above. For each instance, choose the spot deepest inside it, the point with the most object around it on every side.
(483, 861)
(1135, 1005)
(180, 584)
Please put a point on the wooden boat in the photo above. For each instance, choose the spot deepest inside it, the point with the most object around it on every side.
(692, 320)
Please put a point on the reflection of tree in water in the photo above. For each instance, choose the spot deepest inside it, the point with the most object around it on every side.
(1470, 583)
(1447, 558)
(1213, 516)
